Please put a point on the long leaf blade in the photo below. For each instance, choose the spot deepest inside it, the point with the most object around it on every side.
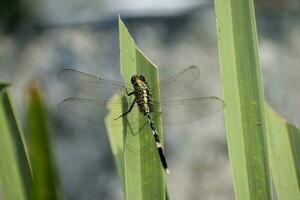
(45, 179)
(15, 173)
(143, 174)
(244, 99)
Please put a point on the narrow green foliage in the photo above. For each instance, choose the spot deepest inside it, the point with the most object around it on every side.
(284, 145)
(15, 174)
(143, 175)
(115, 135)
(244, 99)
(45, 179)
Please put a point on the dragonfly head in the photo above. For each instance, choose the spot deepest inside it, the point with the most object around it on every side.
(138, 79)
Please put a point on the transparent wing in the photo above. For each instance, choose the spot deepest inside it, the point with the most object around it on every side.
(97, 87)
(92, 110)
(184, 111)
(90, 85)
(178, 83)
(174, 111)
(95, 110)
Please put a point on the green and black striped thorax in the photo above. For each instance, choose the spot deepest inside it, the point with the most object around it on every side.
(142, 93)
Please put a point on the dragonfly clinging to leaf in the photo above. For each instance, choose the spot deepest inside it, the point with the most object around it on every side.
(174, 110)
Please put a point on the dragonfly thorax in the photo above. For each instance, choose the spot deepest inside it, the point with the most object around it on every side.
(142, 93)
(138, 81)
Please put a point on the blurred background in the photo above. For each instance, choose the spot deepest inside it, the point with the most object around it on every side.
(39, 38)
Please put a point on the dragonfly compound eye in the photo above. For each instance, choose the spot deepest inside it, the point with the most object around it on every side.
(133, 79)
(142, 78)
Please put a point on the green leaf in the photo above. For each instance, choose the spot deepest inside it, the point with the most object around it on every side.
(284, 145)
(142, 173)
(115, 135)
(45, 179)
(15, 174)
(244, 99)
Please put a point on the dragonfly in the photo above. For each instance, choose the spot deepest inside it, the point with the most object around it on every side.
(173, 109)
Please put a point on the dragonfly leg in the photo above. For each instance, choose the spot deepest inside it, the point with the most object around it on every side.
(129, 94)
(130, 109)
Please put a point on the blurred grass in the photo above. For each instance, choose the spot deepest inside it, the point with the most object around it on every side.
(243, 94)
(142, 171)
(15, 173)
(46, 185)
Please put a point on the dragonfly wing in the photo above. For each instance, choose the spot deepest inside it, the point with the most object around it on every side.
(90, 85)
(177, 84)
(95, 110)
(92, 110)
(184, 111)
